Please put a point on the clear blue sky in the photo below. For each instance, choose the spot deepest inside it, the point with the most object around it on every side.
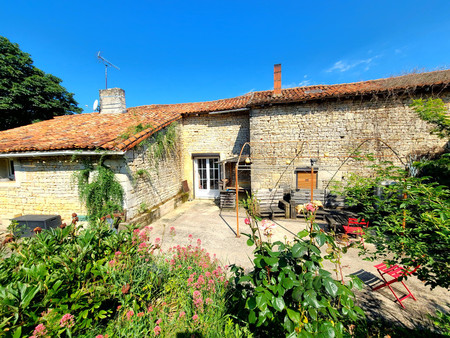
(187, 51)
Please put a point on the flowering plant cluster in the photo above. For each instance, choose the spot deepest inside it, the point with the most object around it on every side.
(181, 289)
(288, 291)
(310, 207)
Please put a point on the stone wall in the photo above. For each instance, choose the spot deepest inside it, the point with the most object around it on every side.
(46, 186)
(286, 137)
(222, 134)
(148, 184)
(42, 186)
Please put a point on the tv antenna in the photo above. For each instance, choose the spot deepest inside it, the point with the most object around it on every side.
(107, 64)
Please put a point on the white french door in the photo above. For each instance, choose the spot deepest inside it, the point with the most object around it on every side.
(207, 176)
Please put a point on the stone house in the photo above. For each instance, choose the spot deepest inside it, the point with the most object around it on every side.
(279, 131)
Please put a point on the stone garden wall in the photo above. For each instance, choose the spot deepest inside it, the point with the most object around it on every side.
(286, 137)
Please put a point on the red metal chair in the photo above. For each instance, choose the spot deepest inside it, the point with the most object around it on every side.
(355, 227)
(395, 272)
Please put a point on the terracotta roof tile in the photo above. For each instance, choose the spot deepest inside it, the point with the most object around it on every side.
(103, 131)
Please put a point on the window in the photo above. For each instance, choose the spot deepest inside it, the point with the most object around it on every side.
(6, 170)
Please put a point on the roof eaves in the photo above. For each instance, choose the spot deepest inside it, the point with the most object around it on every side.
(134, 140)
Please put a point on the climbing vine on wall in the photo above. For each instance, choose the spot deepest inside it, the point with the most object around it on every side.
(98, 189)
(163, 143)
(132, 130)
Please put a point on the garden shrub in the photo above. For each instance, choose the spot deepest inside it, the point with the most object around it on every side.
(410, 220)
(288, 293)
(94, 281)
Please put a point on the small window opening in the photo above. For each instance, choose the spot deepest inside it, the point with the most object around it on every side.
(6, 170)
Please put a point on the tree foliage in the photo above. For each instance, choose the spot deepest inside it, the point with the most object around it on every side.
(27, 93)
(410, 221)
(436, 166)
(435, 112)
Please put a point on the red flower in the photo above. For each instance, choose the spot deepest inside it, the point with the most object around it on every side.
(126, 288)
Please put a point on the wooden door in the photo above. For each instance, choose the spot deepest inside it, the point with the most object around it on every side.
(304, 180)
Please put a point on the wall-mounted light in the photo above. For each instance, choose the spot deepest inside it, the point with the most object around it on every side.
(248, 160)
(313, 161)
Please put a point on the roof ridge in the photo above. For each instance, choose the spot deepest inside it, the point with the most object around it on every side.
(252, 94)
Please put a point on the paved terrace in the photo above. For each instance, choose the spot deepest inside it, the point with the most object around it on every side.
(217, 231)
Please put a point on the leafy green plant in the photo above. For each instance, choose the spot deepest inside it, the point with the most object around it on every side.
(143, 207)
(436, 166)
(287, 290)
(163, 143)
(133, 130)
(441, 320)
(62, 271)
(99, 190)
(410, 220)
(84, 282)
(435, 112)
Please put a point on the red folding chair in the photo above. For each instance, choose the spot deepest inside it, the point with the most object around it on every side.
(395, 272)
(355, 227)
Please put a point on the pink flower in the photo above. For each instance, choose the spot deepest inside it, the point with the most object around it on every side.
(99, 336)
(118, 253)
(157, 240)
(130, 314)
(157, 330)
(195, 317)
(190, 237)
(67, 321)
(311, 207)
(158, 321)
(199, 242)
(142, 246)
(247, 221)
(140, 314)
(172, 231)
(182, 314)
(196, 294)
(208, 301)
(150, 309)
(40, 331)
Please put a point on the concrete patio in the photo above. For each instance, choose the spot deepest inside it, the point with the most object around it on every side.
(217, 232)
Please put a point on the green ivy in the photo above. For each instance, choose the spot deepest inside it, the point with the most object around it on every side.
(435, 112)
(163, 143)
(99, 190)
(133, 130)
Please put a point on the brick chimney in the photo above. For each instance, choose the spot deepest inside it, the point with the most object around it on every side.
(277, 79)
(112, 101)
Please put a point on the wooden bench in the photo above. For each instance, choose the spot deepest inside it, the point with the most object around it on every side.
(303, 196)
(271, 203)
(337, 219)
(333, 201)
